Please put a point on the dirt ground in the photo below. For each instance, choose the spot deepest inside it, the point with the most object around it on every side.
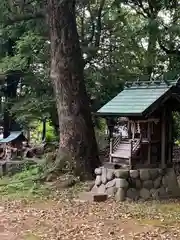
(74, 220)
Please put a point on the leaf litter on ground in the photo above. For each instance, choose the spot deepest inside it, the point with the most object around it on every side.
(58, 215)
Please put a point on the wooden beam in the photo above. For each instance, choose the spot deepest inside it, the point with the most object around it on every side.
(163, 138)
(146, 120)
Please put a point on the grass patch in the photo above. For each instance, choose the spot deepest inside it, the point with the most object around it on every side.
(30, 183)
(24, 184)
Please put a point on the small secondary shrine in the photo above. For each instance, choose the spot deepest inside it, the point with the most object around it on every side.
(148, 109)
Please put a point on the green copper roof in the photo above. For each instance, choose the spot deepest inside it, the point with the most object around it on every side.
(135, 99)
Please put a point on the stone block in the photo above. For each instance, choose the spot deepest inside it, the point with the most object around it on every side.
(162, 172)
(145, 194)
(148, 184)
(132, 183)
(94, 189)
(157, 182)
(165, 181)
(102, 188)
(104, 175)
(98, 180)
(133, 194)
(162, 192)
(90, 197)
(121, 183)
(1, 171)
(120, 195)
(154, 173)
(111, 191)
(134, 173)
(171, 183)
(111, 183)
(98, 171)
(121, 173)
(144, 174)
(155, 194)
(138, 184)
(178, 181)
(110, 174)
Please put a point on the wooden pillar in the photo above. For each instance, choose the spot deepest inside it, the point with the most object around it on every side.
(133, 130)
(170, 137)
(130, 159)
(149, 142)
(110, 124)
(129, 130)
(163, 139)
(110, 150)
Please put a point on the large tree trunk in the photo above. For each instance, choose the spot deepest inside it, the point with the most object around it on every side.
(77, 137)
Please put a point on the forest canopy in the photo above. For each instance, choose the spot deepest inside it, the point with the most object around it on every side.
(119, 41)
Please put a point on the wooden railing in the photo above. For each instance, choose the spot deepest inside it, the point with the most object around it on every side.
(135, 145)
(114, 143)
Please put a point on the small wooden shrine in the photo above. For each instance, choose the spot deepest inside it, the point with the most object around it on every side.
(12, 145)
(148, 108)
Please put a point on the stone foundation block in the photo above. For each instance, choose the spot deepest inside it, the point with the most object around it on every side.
(98, 180)
(102, 188)
(138, 184)
(157, 182)
(111, 191)
(96, 197)
(155, 194)
(148, 184)
(104, 175)
(121, 173)
(110, 174)
(111, 183)
(120, 195)
(132, 194)
(134, 173)
(145, 194)
(121, 183)
(144, 174)
(154, 173)
(98, 171)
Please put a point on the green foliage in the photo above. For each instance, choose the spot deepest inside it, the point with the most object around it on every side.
(24, 184)
(176, 128)
(121, 45)
(37, 128)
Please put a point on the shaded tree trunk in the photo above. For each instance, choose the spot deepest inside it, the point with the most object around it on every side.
(77, 137)
(44, 129)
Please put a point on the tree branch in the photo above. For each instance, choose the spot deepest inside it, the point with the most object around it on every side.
(99, 24)
(98, 33)
(92, 25)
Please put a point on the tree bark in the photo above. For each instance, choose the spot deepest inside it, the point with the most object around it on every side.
(77, 137)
